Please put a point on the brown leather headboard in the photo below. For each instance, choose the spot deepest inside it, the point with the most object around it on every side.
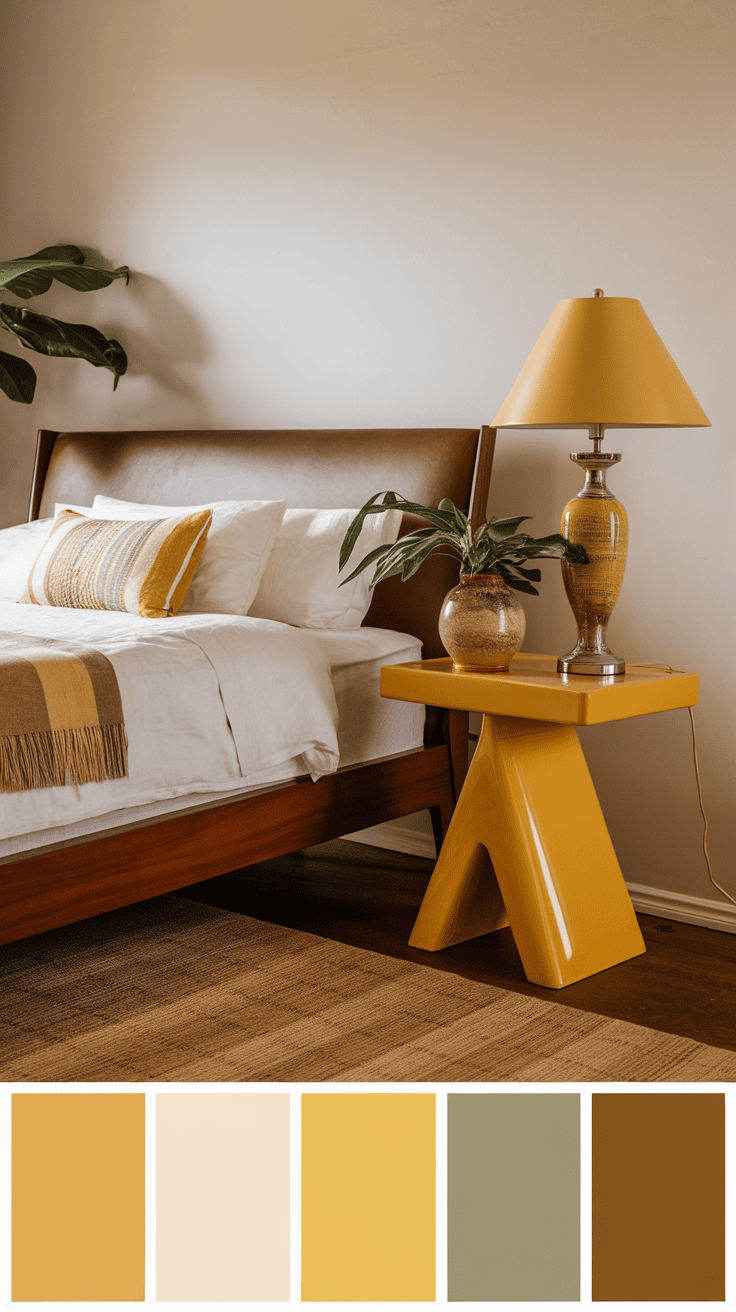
(320, 468)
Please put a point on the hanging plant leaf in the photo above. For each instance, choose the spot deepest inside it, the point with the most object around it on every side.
(33, 274)
(49, 336)
(17, 378)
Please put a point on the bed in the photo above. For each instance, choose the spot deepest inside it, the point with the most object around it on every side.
(122, 855)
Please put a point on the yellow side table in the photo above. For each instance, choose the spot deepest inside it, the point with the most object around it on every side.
(529, 800)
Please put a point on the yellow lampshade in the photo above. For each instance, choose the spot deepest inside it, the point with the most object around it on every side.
(600, 361)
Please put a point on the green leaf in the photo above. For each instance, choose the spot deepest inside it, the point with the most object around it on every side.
(440, 518)
(387, 569)
(70, 254)
(552, 540)
(383, 501)
(519, 584)
(48, 336)
(403, 546)
(403, 553)
(390, 565)
(459, 516)
(557, 546)
(555, 550)
(351, 537)
(495, 548)
(33, 274)
(576, 554)
(417, 560)
(366, 561)
(17, 378)
(534, 574)
(503, 527)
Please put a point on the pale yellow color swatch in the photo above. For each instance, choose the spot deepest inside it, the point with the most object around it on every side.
(368, 1197)
(222, 1197)
(78, 1209)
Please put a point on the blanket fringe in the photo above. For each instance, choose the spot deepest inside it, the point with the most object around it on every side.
(63, 756)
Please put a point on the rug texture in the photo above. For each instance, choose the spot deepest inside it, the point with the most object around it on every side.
(172, 990)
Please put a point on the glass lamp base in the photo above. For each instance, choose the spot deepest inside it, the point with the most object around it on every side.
(590, 660)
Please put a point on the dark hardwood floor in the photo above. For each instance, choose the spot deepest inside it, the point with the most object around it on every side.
(685, 983)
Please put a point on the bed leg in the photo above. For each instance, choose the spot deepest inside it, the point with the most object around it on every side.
(440, 816)
(454, 732)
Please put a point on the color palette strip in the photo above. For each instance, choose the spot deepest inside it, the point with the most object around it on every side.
(368, 1197)
(222, 1197)
(78, 1197)
(659, 1197)
(513, 1197)
(225, 1180)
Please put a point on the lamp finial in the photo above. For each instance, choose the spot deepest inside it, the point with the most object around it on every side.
(598, 291)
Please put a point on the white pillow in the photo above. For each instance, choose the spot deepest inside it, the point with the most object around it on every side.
(19, 547)
(301, 583)
(235, 555)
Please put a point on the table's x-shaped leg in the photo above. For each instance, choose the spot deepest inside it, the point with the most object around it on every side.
(530, 801)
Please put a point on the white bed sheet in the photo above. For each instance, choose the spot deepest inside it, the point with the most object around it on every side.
(206, 700)
(207, 681)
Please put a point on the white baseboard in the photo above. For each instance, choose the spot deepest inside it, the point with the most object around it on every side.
(712, 913)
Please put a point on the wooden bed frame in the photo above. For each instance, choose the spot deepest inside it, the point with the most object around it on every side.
(331, 468)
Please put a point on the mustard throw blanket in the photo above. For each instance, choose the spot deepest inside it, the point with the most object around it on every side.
(61, 717)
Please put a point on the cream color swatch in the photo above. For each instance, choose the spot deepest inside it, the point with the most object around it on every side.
(222, 1197)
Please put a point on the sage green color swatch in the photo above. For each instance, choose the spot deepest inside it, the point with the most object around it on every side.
(513, 1197)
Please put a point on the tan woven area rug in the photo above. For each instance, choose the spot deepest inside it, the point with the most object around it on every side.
(172, 990)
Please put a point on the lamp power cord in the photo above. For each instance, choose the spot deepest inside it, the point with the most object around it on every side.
(668, 669)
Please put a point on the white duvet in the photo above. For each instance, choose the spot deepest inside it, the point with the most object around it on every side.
(210, 702)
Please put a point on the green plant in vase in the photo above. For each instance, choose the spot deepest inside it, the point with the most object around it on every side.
(482, 623)
(31, 276)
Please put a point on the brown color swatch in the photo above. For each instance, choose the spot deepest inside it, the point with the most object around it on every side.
(173, 990)
(658, 1197)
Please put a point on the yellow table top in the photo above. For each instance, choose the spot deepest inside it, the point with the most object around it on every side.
(533, 690)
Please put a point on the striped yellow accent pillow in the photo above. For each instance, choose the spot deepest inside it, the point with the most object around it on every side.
(143, 567)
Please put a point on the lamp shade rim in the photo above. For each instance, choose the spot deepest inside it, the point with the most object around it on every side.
(604, 423)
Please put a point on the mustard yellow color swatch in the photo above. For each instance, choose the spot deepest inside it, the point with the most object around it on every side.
(368, 1197)
(78, 1206)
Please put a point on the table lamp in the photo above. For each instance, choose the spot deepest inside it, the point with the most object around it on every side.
(598, 364)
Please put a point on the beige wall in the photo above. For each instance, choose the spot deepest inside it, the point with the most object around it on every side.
(363, 212)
